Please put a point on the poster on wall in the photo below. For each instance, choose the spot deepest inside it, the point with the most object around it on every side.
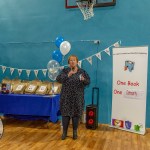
(129, 88)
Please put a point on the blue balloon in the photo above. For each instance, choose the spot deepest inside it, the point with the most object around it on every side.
(56, 55)
(58, 41)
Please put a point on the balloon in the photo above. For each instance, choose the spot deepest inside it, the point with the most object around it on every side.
(65, 47)
(56, 55)
(58, 41)
(53, 69)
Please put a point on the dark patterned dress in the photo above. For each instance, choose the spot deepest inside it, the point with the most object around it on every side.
(72, 93)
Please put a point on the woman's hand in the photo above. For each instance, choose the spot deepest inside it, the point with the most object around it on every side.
(72, 71)
(82, 78)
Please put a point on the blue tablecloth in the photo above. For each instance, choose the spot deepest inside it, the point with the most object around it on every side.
(33, 105)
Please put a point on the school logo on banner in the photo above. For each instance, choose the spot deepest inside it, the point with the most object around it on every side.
(129, 65)
(117, 123)
(128, 124)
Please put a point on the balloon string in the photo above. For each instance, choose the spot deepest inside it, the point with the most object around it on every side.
(62, 60)
(53, 88)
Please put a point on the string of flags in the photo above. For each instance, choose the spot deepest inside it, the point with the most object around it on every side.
(98, 55)
(44, 71)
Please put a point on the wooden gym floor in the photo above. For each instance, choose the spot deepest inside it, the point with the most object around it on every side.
(38, 135)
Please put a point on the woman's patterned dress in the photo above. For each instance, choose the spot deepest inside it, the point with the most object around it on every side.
(72, 93)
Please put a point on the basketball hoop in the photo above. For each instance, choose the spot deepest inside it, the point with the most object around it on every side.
(86, 7)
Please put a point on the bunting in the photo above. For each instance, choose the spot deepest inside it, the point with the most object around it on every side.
(62, 67)
(89, 59)
(3, 68)
(98, 55)
(80, 63)
(36, 72)
(28, 72)
(117, 44)
(12, 70)
(107, 51)
(19, 71)
(44, 72)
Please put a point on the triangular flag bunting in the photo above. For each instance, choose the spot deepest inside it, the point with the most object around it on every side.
(89, 59)
(3, 68)
(36, 72)
(44, 72)
(80, 63)
(107, 51)
(28, 72)
(117, 44)
(12, 70)
(98, 55)
(19, 71)
(62, 67)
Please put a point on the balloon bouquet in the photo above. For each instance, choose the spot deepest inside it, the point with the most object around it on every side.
(53, 65)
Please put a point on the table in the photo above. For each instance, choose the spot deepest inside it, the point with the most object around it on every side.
(30, 105)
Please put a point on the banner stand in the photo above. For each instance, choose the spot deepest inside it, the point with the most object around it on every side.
(129, 88)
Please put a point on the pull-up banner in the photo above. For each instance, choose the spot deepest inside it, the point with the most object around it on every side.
(129, 88)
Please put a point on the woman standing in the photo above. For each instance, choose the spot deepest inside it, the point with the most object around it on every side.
(73, 81)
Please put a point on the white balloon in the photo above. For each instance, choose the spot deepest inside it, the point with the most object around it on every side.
(65, 47)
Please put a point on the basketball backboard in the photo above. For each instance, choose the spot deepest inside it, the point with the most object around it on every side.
(99, 3)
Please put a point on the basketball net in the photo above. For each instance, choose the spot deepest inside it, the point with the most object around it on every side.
(86, 7)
